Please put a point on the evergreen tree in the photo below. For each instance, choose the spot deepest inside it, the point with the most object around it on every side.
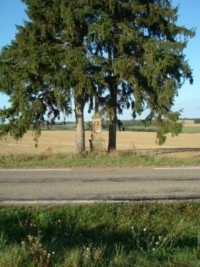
(121, 52)
(28, 75)
(47, 66)
(76, 16)
(143, 65)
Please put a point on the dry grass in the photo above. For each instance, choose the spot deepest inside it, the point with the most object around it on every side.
(52, 142)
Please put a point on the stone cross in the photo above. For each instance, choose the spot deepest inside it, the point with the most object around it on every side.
(96, 126)
(97, 143)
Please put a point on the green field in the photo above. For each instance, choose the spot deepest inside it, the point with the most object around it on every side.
(128, 125)
(191, 129)
(132, 235)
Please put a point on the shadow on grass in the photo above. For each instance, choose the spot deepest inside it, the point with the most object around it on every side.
(134, 231)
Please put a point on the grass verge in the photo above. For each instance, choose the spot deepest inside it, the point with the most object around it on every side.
(139, 234)
(129, 159)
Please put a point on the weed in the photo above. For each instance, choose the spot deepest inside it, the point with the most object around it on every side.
(132, 235)
(36, 252)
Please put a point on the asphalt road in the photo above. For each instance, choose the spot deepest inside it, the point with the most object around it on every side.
(98, 184)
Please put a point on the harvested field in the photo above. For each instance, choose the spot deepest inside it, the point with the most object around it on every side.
(52, 142)
(190, 123)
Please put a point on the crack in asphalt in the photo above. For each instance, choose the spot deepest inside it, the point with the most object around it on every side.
(115, 180)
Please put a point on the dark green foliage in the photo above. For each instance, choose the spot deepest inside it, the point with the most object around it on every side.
(47, 65)
(143, 63)
(118, 54)
(29, 75)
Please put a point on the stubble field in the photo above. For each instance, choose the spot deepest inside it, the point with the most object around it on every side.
(54, 142)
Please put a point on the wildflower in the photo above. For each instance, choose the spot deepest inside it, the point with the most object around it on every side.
(30, 238)
(144, 229)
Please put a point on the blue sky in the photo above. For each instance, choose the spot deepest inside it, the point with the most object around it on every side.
(12, 12)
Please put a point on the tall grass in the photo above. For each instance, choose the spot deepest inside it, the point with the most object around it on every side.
(140, 234)
(129, 159)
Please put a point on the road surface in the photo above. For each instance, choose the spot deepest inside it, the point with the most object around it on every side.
(97, 184)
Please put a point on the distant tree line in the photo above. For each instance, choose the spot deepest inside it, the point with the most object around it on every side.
(197, 121)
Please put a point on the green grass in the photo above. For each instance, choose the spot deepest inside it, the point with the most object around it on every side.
(191, 129)
(129, 159)
(138, 234)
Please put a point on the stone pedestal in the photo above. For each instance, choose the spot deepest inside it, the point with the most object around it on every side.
(97, 143)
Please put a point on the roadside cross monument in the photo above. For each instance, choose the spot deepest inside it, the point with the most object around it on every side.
(97, 143)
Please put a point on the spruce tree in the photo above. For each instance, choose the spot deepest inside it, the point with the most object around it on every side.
(143, 65)
(124, 53)
(49, 65)
(76, 16)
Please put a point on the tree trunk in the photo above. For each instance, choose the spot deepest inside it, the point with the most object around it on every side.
(112, 115)
(80, 130)
(112, 130)
(112, 137)
(113, 99)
